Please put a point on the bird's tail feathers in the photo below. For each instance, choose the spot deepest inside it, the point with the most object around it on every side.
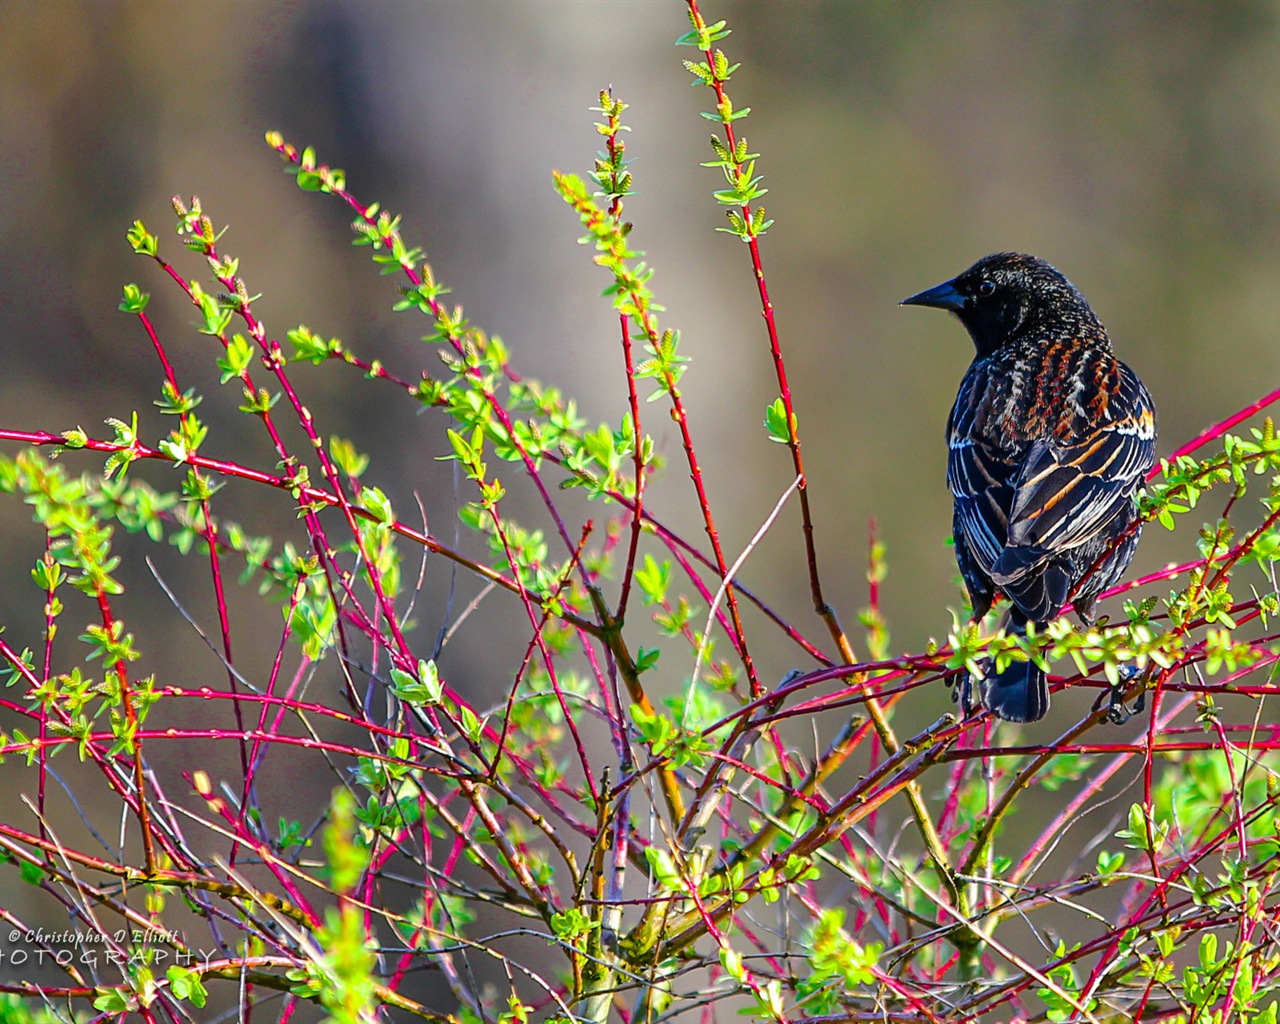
(1038, 595)
(1021, 692)
(1018, 694)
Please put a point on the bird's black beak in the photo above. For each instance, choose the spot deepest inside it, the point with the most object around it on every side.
(942, 296)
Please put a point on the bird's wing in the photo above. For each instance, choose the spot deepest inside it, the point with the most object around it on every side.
(1066, 492)
(981, 483)
(980, 476)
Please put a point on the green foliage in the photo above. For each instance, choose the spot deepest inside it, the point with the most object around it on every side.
(1063, 997)
(186, 985)
(775, 421)
(340, 973)
(838, 964)
(14, 1009)
(666, 739)
(611, 173)
(135, 299)
(425, 688)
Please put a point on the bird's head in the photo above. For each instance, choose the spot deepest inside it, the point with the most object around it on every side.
(1007, 294)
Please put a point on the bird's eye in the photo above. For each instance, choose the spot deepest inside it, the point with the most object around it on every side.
(986, 287)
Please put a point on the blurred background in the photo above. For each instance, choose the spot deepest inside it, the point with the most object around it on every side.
(1135, 146)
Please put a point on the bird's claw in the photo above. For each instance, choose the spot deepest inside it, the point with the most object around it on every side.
(960, 684)
(1117, 711)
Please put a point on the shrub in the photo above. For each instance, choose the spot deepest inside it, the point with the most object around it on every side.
(630, 831)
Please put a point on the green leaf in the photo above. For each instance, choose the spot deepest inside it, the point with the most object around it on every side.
(471, 724)
(115, 1001)
(653, 578)
(377, 505)
(143, 241)
(572, 924)
(425, 688)
(235, 360)
(135, 299)
(186, 985)
(646, 659)
(775, 421)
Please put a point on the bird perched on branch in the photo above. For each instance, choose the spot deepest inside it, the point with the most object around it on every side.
(1049, 438)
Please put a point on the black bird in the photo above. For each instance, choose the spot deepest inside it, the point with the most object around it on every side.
(1049, 438)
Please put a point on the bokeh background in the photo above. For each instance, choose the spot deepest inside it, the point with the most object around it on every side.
(1136, 146)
